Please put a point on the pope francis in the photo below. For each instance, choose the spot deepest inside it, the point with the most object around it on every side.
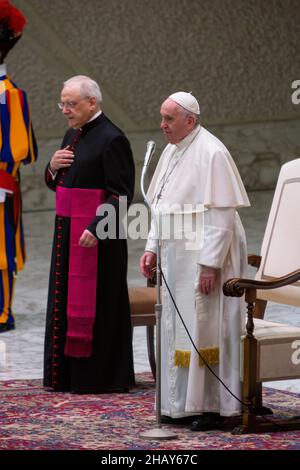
(196, 171)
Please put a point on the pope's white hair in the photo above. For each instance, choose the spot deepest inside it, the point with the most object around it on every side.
(87, 87)
(187, 113)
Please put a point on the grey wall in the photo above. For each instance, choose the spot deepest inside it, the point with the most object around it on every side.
(238, 57)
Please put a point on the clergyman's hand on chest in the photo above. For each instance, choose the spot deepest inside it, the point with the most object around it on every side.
(61, 159)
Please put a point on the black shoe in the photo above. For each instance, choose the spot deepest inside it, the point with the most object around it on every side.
(207, 421)
(184, 420)
(6, 327)
(57, 390)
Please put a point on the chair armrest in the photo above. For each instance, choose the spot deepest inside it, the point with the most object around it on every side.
(236, 287)
(254, 260)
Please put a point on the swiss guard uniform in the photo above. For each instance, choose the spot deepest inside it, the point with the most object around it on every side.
(17, 145)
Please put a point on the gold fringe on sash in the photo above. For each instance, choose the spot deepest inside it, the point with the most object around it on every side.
(182, 358)
(210, 355)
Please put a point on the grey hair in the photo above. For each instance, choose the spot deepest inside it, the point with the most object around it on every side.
(187, 113)
(87, 86)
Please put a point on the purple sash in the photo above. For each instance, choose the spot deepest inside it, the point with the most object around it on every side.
(81, 206)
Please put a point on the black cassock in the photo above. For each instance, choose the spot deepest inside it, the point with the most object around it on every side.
(103, 160)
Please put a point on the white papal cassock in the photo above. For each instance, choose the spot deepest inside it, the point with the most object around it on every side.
(195, 173)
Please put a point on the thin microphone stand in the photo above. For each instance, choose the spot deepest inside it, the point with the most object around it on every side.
(157, 432)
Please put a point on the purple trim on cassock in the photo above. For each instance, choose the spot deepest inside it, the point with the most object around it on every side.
(81, 206)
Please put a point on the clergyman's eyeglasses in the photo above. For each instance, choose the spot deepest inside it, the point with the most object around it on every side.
(70, 104)
(67, 105)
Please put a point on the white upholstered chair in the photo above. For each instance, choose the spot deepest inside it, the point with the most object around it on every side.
(142, 302)
(271, 351)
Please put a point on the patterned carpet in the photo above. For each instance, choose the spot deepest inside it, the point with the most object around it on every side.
(32, 418)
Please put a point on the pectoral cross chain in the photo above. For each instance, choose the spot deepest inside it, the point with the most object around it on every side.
(158, 197)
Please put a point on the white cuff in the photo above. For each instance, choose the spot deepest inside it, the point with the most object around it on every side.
(52, 173)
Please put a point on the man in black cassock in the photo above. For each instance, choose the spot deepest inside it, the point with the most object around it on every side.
(88, 341)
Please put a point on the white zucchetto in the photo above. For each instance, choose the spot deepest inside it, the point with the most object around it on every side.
(186, 100)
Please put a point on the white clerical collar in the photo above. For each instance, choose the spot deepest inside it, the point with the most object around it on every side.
(189, 138)
(92, 118)
(2, 69)
(95, 116)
